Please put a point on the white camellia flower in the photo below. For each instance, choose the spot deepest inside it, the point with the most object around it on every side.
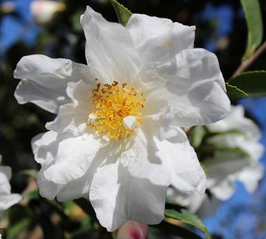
(117, 139)
(6, 198)
(224, 169)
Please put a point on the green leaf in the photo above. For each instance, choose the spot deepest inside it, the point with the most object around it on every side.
(188, 218)
(18, 218)
(253, 83)
(18, 227)
(254, 23)
(168, 230)
(211, 149)
(234, 93)
(29, 172)
(33, 194)
(197, 136)
(122, 13)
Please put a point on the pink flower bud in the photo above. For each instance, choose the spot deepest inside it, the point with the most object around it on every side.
(132, 230)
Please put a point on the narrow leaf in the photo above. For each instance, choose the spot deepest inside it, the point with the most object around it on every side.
(29, 172)
(211, 149)
(254, 23)
(197, 136)
(18, 227)
(234, 92)
(168, 230)
(122, 13)
(252, 83)
(188, 218)
(33, 194)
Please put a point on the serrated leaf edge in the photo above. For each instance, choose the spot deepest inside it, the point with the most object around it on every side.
(113, 2)
(237, 89)
(247, 73)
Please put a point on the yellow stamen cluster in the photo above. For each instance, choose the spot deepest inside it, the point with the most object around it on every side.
(112, 103)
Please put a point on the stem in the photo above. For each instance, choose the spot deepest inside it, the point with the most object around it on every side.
(249, 61)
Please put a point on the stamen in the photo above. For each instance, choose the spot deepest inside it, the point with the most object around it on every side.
(117, 110)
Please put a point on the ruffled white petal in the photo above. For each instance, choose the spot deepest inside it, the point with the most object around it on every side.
(191, 201)
(72, 118)
(72, 190)
(64, 158)
(182, 163)
(250, 176)
(236, 120)
(109, 48)
(225, 190)
(193, 87)
(117, 197)
(47, 188)
(223, 173)
(158, 40)
(6, 198)
(44, 80)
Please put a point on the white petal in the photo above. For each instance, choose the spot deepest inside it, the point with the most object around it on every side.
(236, 120)
(193, 87)
(75, 189)
(5, 176)
(249, 145)
(72, 190)
(141, 161)
(191, 201)
(118, 197)
(6, 201)
(44, 80)
(6, 198)
(47, 188)
(225, 190)
(182, 163)
(72, 118)
(109, 48)
(65, 159)
(250, 176)
(223, 173)
(158, 40)
(39, 146)
(209, 207)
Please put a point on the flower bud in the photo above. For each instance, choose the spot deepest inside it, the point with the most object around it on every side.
(44, 12)
(132, 230)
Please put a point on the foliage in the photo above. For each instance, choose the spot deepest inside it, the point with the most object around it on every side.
(255, 28)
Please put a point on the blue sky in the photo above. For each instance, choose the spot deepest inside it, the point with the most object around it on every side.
(13, 29)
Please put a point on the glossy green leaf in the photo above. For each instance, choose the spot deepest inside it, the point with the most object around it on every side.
(188, 218)
(253, 83)
(255, 26)
(122, 13)
(168, 230)
(234, 93)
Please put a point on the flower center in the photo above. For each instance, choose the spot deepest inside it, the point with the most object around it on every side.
(116, 110)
